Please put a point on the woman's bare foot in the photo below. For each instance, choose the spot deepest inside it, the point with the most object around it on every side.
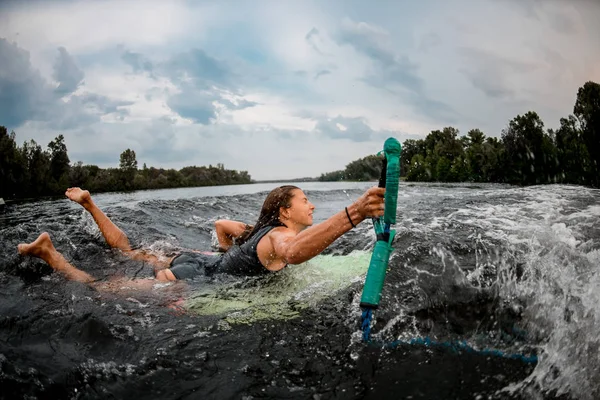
(39, 248)
(78, 196)
(43, 248)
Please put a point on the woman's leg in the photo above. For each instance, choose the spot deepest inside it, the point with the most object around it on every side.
(112, 234)
(43, 248)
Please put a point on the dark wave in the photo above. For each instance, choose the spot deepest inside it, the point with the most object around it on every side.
(496, 267)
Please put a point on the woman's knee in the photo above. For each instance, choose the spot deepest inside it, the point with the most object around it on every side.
(165, 275)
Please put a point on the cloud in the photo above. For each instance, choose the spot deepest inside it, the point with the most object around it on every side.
(187, 83)
(375, 44)
(24, 94)
(103, 105)
(564, 24)
(391, 72)
(164, 143)
(429, 41)
(197, 105)
(203, 106)
(322, 73)
(204, 86)
(66, 73)
(313, 39)
(197, 68)
(238, 104)
(492, 73)
(351, 128)
(81, 26)
(137, 62)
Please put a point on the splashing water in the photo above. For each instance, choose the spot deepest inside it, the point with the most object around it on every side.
(495, 267)
(540, 254)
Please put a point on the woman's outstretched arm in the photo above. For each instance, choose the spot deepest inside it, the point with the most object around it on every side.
(297, 248)
(228, 230)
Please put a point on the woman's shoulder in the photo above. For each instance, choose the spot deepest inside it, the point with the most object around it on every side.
(280, 231)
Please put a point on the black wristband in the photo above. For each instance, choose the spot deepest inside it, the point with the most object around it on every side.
(349, 219)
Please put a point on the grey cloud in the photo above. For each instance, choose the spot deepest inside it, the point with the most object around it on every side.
(162, 145)
(434, 108)
(354, 129)
(531, 8)
(155, 91)
(198, 68)
(553, 57)
(24, 94)
(366, 39)
(194, 104)
(137, 62)
(487, 83)
(401, 73)
(66, 73)
(563, 24)
(200, 78)
(429, 41)
(311, 33)
(311, 38)
(104, 105)
(199, 105)
(308, 114)
(238, 105)
(322, 73)
(82, 110)
(488, 72)
(396, 74)
(559, 21)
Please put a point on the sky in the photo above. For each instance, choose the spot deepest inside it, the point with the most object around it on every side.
(283, 89)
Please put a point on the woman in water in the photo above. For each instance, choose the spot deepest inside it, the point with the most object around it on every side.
(282, 235)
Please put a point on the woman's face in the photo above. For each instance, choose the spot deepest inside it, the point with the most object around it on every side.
(300, 210)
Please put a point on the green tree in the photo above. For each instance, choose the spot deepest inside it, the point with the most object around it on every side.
(128, 168)
(493, 152)
(529, 151)
(420, 169)
(587, 111)
(127, 160)
(59, 164)
(572, 156)
(475, 156)
(446, 143)
(410, 148)
(332, 176)
(459, 171)
(38, 169)
(442, 170)
(365, 169)
(79, 175)
(12, 166)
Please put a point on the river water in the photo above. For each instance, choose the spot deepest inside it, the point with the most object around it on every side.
(492, 293)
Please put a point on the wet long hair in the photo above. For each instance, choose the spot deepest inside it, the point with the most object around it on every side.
(269, 213)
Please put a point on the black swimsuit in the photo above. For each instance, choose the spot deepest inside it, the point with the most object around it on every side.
(238, 260)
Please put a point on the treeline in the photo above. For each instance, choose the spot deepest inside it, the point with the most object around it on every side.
(365, 169)
(30, 171)
(525, 153)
